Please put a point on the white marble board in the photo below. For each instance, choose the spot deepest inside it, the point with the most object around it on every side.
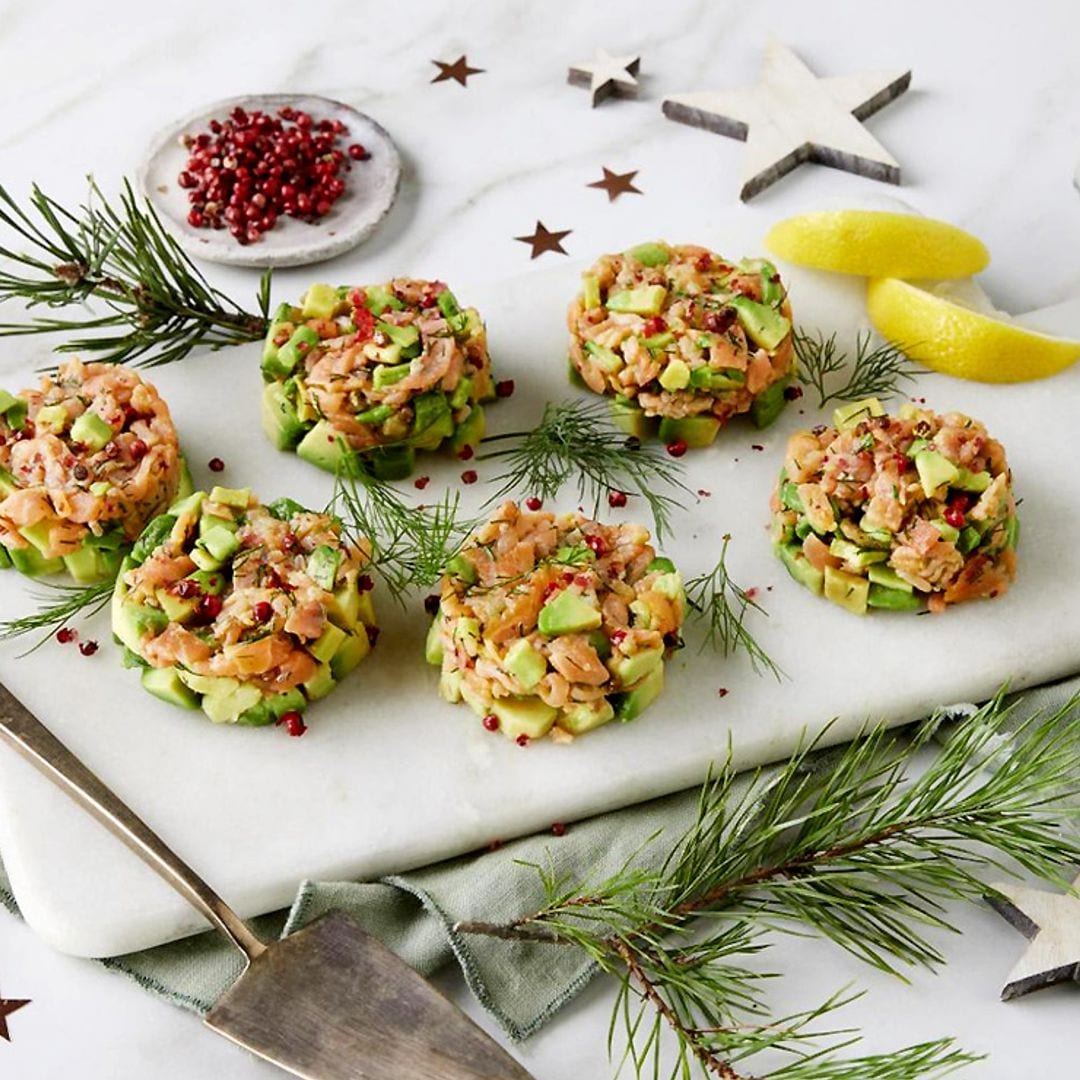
(389, 777)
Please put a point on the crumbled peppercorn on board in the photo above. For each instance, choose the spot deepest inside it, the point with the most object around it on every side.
(389, 776)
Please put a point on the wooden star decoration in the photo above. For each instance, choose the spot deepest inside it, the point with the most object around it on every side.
(616, 184)
(7, 1007)
(1051, 922)
(606, 75)
(459, 71)
(791, 116)
(543, 239)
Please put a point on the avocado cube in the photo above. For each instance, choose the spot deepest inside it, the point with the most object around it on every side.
(676, 376)
(433, 646)
(15, 412)
(969, 481)
(349, 653)
(631, 704)
(848, 416)
(567, 612)
(38, 535)
(378, 298)
(450, 686)
(165, 683)
(696, 431)
(432, 417)
(219, 685)
(386, 376)
(642, 300)
(573, 376)
(606, 359)
(888, 578)
(391, 462)
(935, 471)
(204, 560)
(800, 568)
(219, 542)
(132, 622)
(322, 566)
(84, 565)
(766, 408)
(847, 590)
(651, 253)
(632, 669)
(329, 642)
(320, 684)
(279, 419)
(210, 521)
(285, 508)
(705, 378)
(583, 716)
(320, 301)
(234, 497)
(590, 291)
(5, 558)
(658, 342)
(325, 447)
(467, 631)
(92, 431)
(7, 401)
(7, 483)
(376, 416)
(525, 663)
(227, 707)
(461, 395)
(462, 568)
(469, 432)
(764, 325)
(969, 540)
(32, 563)
(52, 418)
(1012, 532)
(888, 599)
(405, 336)
(528, 716)
(661, 564)
(949, 533)
(209, 581)
(175, 607)
(669, 585)
(628, 417)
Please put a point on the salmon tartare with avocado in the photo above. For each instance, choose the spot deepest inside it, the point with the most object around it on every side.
(379, 371)
(905, 513)
(246, 611)
(86, 460)
(682, 340)
(555, 624)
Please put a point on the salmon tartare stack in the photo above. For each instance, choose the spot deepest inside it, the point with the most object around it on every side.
(906, 512)
(248, 611)
(683, 340)
(379, 371)
(555, 624)
(86, 460)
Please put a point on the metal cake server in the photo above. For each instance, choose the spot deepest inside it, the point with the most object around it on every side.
(329, 1002)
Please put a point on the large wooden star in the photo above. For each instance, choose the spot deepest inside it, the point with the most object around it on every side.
(605, 75)
(616, 184)
(7, 1007)
(459, 71)
(791, 116)
(1051, 921)
(543, 239)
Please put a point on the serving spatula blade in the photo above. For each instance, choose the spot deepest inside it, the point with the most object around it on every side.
(331, 1002)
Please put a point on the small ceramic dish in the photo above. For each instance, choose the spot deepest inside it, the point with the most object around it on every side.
(371, 187)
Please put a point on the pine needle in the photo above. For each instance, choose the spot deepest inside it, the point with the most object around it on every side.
(153, 305)
(58, 605)
(577, 441)
(876, 370)
(723, 606)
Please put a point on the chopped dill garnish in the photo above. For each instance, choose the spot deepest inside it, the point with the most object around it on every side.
(876, 370)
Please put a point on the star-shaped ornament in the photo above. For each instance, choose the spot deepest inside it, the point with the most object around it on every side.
(1051, 922)
(459, 71)
(606, 75)
(7, 1007)
(616, 184)
(543, 239)
(790, 116)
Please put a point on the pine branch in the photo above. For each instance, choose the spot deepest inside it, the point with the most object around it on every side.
(578, 441)
(875, 371)
(153, 306)
(410, 545)
(849, 847)
(723, 606)
(58, 605)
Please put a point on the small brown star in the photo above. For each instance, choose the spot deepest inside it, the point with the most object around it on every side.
(616, 184)
(544, 240)
(7, 1007)
(459, 71)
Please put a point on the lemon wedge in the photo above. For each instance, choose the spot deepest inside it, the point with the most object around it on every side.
(957, 340)
(877, 243)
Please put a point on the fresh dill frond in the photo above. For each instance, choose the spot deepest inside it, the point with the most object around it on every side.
(875, 371)
(722, 606)
(153, 305)
(58, 605)
(410, 545)
(578, 442)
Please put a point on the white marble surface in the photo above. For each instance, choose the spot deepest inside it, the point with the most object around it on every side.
(987, 138)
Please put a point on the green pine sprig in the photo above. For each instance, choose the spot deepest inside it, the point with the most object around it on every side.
(846, 844)
(723, 606)
(127, 290)
(410, 545)
(577, 442)
(875, 370)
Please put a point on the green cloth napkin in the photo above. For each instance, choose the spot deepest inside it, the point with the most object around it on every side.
(521, 984)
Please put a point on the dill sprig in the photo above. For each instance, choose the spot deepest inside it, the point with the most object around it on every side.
(153, 304)
(578, 441)
(58, 603)
(410, 545)
(723, 606)
(847, 845)
(876, 370)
